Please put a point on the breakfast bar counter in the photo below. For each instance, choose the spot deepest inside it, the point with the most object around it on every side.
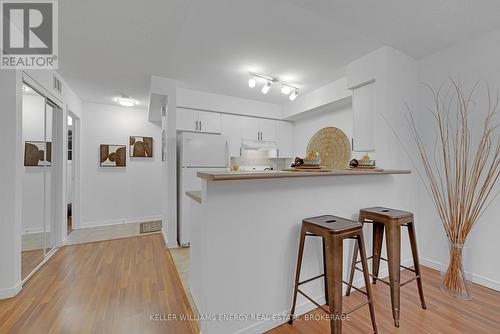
(247, 234)
(230, 175)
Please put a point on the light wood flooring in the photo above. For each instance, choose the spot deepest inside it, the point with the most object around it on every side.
(104, 287)
(444, 314)
(115, 286)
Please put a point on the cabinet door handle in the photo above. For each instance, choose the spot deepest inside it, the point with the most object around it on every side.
(196, 125)
(200, 125)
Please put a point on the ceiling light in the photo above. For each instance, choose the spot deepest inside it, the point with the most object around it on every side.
(266, 87)
(286, 89)
(294, 95)
(125, 101)
(26, 88)
(252, 82)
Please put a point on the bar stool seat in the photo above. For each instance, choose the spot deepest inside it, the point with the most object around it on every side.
(333, 230)
(389, 221)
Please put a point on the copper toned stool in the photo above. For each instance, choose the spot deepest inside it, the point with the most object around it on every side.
(391, 220)
(333, 230)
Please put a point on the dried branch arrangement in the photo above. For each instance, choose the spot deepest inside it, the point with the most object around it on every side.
(461, 169)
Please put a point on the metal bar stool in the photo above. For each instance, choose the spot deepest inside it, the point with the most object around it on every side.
(391, 221)
(333, 230)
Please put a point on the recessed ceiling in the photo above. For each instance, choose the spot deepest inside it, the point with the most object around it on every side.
(112, 47)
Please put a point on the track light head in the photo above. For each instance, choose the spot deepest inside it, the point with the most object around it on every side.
(286, 89)
(252, 82)
(266, 87)
(294, 95)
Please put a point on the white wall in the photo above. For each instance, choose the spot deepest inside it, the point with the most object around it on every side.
(113, 195)
(330, 93)
(305, 128)
(466, 62)
(10, 181)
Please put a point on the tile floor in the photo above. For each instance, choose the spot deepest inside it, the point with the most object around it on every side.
(101, 233)
(180, 256)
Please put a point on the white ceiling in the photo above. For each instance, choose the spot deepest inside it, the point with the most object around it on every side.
(114, 46)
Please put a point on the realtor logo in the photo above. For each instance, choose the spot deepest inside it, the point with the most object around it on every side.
(29, 34)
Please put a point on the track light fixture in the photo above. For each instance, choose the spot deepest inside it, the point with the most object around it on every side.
(252, 82)
(266, 87)
(286, 88)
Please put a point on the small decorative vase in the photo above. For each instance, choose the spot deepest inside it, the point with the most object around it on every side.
(454, 280)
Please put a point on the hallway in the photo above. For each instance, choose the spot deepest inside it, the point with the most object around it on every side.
(104, 287)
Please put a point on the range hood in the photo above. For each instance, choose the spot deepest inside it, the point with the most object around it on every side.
(268, 148)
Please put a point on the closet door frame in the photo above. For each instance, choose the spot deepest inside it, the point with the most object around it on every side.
(59, 154)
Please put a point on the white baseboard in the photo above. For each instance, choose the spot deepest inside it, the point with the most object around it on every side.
(478, 279)
(11, 292)
(165, 239)
(119, 222)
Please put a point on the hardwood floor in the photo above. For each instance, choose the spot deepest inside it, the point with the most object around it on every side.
(116, 286)
(443, 315)
(104, 287)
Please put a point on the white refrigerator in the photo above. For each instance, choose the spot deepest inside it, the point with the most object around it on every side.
(197, 152)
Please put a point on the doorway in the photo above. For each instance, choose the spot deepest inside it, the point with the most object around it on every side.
(70, 179)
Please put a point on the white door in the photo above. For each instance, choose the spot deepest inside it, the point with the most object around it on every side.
(187, 120)
(204, 150)
(209, 122)
(189, 181)
(267, 129)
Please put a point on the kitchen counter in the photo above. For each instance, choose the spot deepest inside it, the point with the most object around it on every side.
(196, 195)
(245, 238)
(220, 176)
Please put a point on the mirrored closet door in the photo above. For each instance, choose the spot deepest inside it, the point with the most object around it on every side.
(38, 224)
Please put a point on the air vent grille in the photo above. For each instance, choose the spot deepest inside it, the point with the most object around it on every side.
(57, 85)
(149, 227)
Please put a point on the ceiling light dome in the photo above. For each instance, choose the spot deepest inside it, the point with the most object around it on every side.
(125, 101)
(266, 87)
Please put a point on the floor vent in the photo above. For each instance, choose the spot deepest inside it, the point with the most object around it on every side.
(149, 227)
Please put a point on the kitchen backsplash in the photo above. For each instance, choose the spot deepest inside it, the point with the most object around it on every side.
(260, 158)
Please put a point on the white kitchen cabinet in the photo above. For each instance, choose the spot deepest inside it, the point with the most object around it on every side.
(267, 130)
(232, 126)
(198, 121)
(187, 120)
(364, 108)
(209, 122)
(284, 138)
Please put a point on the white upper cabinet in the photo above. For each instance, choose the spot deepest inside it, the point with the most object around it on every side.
(187, 120)
(363, 105)
(198, 121)
(209, 122)
(232, 126)
(267, 129)
(284, 136)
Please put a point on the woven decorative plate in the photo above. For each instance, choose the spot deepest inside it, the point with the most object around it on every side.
(333, 146)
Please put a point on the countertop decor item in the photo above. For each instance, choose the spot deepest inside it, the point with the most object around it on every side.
(333, 147)
(462, 166)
